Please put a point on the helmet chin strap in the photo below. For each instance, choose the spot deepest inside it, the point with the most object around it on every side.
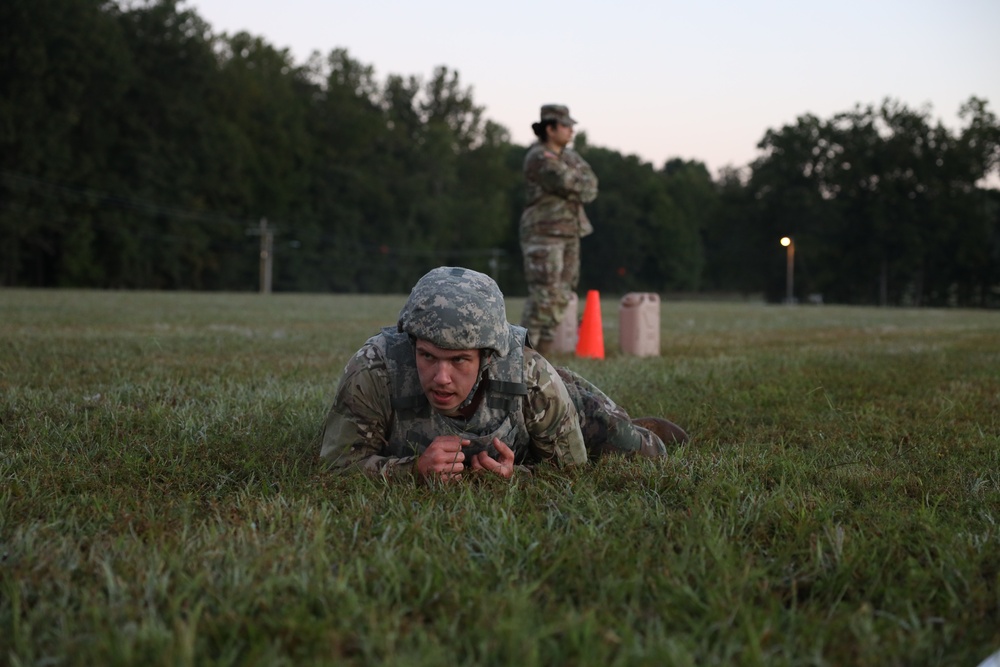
(485, 361)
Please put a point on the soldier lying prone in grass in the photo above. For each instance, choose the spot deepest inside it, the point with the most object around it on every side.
(455, 389)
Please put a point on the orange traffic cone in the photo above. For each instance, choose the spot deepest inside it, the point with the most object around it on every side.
(590, 342)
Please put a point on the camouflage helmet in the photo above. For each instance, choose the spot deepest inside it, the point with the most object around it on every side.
(457, 309)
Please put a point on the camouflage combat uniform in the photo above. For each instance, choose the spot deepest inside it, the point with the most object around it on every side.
(550, 230)
(380, 421)
(564, 416)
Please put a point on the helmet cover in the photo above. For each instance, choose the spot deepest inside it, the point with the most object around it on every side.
(457, 309)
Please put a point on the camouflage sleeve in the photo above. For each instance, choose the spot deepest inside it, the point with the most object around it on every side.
(357, 426)
(550, 414)
(584, 177)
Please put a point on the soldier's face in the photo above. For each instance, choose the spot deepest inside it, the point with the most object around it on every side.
(446, 376)
(561, 134)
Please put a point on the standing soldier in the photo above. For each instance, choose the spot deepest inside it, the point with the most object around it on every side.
(559, 182)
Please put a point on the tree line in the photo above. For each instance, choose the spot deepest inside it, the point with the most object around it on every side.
(139, 149)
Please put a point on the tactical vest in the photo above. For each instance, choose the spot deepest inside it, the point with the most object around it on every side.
(415, 424)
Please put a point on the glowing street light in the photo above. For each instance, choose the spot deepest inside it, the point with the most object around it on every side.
(790, 271)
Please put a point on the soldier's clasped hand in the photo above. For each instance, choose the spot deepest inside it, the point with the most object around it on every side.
(503, 467)
(443, 458)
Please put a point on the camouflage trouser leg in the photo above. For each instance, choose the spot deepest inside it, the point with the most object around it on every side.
(552, 271)
(607, 428)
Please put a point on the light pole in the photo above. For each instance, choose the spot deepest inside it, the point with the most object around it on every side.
(790, 270)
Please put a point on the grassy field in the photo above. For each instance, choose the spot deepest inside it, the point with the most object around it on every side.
(161, 500)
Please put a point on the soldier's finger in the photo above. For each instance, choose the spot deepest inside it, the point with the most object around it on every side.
(506, 453)
(505, 469)
(448, 443)
(484, 461)
(439, 455)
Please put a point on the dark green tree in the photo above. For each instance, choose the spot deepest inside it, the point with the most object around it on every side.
(64, 67)
(346, 186)
(140, 150)
(884, 206)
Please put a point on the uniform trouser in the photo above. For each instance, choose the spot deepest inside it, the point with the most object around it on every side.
(606, 427)
(552, 271)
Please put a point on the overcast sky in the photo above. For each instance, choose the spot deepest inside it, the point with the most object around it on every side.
(657, 78)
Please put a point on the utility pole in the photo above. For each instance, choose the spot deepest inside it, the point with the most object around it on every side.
(266, 254)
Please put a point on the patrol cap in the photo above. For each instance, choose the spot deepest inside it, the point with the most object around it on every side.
(557, 112)
(457, 309)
